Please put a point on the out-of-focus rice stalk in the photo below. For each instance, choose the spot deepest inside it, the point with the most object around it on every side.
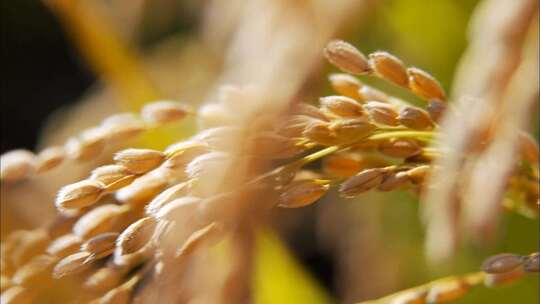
(268, 58)
(495, 87)
(268, 61)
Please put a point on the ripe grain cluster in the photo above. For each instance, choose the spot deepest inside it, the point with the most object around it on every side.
(143, 218)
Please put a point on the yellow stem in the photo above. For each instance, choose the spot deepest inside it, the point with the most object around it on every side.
(472, 279)
(104, 51)
(424, 135)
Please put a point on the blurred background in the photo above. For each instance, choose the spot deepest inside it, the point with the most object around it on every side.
(41, 72)
(57, 77)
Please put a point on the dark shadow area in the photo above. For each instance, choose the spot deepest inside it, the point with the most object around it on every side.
(39, 71)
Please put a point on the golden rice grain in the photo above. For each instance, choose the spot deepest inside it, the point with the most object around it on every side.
(105, 218)
(136, 236)
(72, 264)
(400, 148)
(415, 118)
(345, 85)
(87, 146)
(163, 112)
(501, 263)
(346, 57)
(389, 67)
(362, 182)
(165, 197)
(16, 165)
(180, 154)
(382, 113)
(436, 109)
(64, 245)
(295, 125)
(143, 189)
(49, 158)
(17, 295)
(78, 195)
(105, 278)
(342, 106)
(302, 193)
(351, 130)
(139, 161)
(135, 243)
(119, 119)
(274, 146)
(309, 110)
(112, 174)
(35, 272)
(342, 164)
(101, 245)
(320, 133)
(392, 181)
(206, 163)
(368, 93)
(122, 127)
(425, 85)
